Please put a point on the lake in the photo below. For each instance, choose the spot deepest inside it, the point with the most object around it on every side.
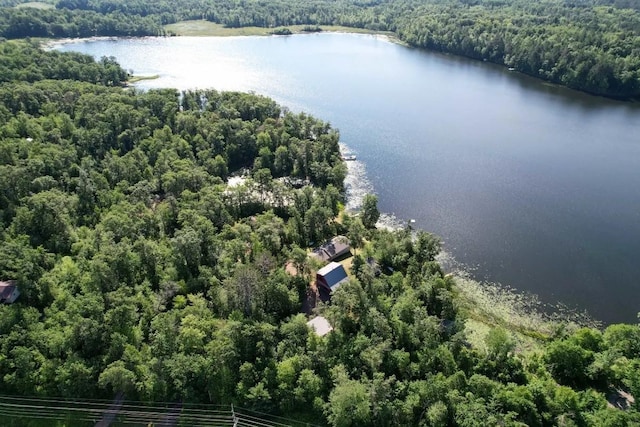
(528, 184)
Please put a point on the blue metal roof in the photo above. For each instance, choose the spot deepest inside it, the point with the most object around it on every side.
(334, 274)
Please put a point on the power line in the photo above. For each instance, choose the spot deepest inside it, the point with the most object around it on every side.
(132, 413)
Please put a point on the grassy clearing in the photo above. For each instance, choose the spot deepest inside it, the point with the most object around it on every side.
(487, 305)
(206, 28)
(347, 263)
(497, 306)
(202, 28)
(135, 79)
(35, 5)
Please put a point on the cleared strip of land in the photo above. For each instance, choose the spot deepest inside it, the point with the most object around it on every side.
(205, 28)
(35, 5)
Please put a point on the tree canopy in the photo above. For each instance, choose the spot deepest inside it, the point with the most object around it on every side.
(589, 45)
(149, 234)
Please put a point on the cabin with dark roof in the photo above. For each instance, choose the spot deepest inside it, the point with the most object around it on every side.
(331, 276)
(333, 249)
(9, 292)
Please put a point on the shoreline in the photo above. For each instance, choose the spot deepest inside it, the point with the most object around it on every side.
(202, 28)
(390, 221)
(484, 305)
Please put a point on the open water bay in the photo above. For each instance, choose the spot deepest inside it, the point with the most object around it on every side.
(528, 184)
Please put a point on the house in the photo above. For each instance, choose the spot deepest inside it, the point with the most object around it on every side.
(333, 249)
(9, 292)
(331, 276)
(320, 325)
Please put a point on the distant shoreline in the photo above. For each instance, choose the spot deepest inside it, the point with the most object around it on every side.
(202, 28)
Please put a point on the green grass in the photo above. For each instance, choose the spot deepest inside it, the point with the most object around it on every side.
(202, 28)
(488, 305)
(36, 5)
(206, 28)
(135, 79)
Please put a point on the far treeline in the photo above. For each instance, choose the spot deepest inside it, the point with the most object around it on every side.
(144, 269)
(589, 45)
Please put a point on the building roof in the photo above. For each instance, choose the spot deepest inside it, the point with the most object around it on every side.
(320, 325)
(333, 274)
(6, 289)
(332, 249)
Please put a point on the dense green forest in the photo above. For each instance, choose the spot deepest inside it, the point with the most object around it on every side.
(144, 269)
(590, 45)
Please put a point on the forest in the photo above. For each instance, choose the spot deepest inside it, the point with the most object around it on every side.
(150, 232)
(589, 45)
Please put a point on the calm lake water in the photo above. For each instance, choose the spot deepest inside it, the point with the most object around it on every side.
(529, 185)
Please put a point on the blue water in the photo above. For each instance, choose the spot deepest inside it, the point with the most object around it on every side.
(528, 184)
